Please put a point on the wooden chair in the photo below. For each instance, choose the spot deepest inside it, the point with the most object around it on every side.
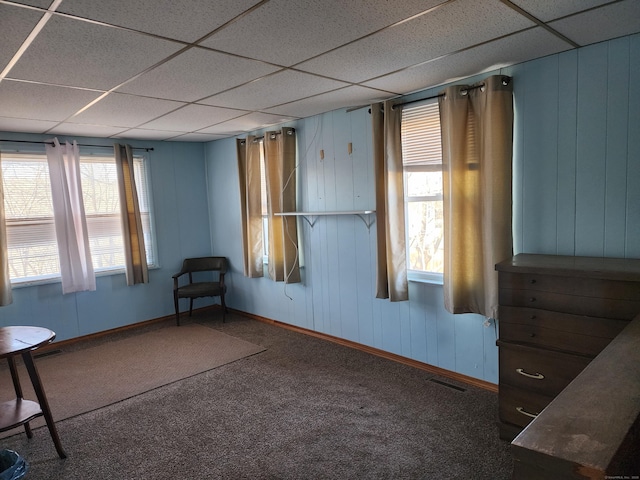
(208, 287)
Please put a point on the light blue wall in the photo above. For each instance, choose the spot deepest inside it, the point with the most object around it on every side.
(577, 152)
(182, 229)
(337, 293)
(576, 191)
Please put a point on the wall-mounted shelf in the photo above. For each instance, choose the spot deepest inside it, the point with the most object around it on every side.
(367, 216)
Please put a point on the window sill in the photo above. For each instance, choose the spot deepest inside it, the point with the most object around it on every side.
(425, 277)
(57, 279)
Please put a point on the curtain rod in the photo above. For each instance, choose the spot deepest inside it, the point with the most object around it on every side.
(505, 81)
(148, 149)
(290, 131)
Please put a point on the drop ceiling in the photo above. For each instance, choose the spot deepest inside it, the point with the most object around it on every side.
(199, 70)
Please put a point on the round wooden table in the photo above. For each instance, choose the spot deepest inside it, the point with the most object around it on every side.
(22, 341)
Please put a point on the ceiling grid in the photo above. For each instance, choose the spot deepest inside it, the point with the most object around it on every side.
(196, 70)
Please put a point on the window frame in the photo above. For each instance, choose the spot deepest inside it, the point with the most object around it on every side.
(151, 246)
(422, 276)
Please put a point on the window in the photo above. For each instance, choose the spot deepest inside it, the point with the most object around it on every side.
(422, 165)
(265, 206)
(31, 238)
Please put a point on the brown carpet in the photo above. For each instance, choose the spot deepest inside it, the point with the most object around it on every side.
(303, 409)
(79, 381)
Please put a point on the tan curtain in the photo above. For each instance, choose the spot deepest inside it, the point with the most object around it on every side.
(477, 137)
(280, 164)
(133, 236)
(250, 205)
(391, 279)
(5, 281)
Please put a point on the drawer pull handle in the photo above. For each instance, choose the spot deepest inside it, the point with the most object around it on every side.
(524, 412)
(532, 299)
(537, 376)
(532, 281)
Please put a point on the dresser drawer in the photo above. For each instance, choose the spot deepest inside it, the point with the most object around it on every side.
(572, 285)
(542, 371)
(566, 322)
(537, 336)
(519, 407)
(558, 331)
(590, 306)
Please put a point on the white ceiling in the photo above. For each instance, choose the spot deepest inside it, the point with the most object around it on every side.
(199, 70)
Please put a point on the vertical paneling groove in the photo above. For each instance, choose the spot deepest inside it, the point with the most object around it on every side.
(567, 133)
(591, 149)
(540, 158)
(360, 160)
(345, 234)
(632, 233)
(616, 147)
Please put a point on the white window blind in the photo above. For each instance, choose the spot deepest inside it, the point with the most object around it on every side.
(422, 160)
(31, 236)
(421, 137)
(32, 246)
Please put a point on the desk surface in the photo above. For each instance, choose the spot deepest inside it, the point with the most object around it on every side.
(15, 340)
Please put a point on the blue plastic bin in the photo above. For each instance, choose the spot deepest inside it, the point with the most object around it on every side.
(12, 465)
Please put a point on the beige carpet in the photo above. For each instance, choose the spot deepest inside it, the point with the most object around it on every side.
(82, 380)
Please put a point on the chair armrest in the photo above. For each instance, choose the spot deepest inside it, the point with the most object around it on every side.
(175, 279)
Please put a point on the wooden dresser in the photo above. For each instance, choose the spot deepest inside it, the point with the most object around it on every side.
(556, 314)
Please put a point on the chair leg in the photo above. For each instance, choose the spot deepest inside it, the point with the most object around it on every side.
(224, 308)
(190, 306)
(175, 302)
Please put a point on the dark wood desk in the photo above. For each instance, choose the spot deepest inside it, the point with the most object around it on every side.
(22, 341)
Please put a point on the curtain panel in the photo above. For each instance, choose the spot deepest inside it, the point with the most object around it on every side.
(76, 267)
(280, 165)
(477, 138)
(5, 280)
(135, 254)
(391, 278)
(248, 151)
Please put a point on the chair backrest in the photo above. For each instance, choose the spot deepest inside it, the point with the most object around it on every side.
(205, 264)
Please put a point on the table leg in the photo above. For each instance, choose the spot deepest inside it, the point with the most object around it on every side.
(18, 388)
(42, 399)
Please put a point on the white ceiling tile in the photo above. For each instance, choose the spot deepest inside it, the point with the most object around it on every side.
(35, 3)
(76, 129)
(195, 74)
(16, 24)
(192, 117)
(325, 102)
(614, 20)
(509, 50)
(77, 53)
(546, 11)
(122, 110)
(286, 32)
(389, 48)
(185, 20)
(42, 102)
(9, 124)
(247, 123)
(452, 27)
(282, 87)
(143, 134)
